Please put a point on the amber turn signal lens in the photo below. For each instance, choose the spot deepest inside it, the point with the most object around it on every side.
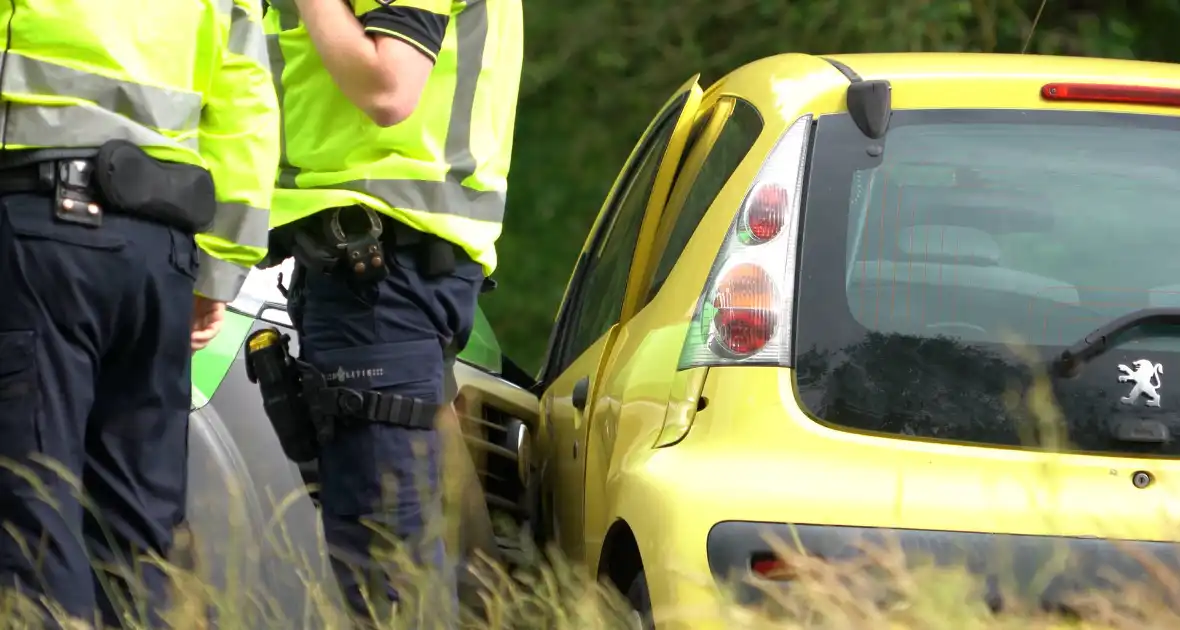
(746, 319)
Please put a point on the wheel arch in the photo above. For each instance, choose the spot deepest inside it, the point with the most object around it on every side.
(620, 559)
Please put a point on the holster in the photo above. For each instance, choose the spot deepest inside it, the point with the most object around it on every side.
(305, 412)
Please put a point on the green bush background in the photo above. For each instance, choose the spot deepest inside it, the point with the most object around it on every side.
(595, 72)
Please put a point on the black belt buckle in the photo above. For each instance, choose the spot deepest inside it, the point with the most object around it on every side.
(72, 199)
(362, 252)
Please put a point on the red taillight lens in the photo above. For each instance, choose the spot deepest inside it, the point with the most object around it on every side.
(767, 212)
(744, 314)
(746, 317)
(1105, 93)
(771, 568)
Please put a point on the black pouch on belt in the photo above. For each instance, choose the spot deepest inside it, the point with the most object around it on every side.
(175, 194)
(436, 256)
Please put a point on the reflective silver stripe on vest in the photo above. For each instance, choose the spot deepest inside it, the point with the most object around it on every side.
(472, 30)
(288, 20)
(449, 196)
(149, 106)
(75, 126)
(219, 280)
(234, 221)
(246, 36)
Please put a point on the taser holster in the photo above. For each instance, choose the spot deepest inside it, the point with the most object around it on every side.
(306, 411)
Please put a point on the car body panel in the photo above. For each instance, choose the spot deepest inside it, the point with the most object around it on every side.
(571, 439)
(638, 377)
(733, 466)
(483, 349)
(671, 454)
(691, 94)
(210, 365)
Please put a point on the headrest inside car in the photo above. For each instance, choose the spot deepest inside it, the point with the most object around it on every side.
(948, 244)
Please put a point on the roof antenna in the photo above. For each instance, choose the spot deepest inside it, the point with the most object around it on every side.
(1033, 30)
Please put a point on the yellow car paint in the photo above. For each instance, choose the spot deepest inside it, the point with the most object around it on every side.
(642, 455)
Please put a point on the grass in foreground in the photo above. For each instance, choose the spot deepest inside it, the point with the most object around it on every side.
(881, 589)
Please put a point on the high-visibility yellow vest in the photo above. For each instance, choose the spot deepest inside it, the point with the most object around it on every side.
(444, 169)
(186, 81)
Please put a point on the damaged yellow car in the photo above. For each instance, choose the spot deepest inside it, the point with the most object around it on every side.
(927, 297)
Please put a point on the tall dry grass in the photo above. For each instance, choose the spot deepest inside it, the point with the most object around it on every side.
(882, 588)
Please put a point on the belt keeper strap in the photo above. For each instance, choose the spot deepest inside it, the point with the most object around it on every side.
(393, 409)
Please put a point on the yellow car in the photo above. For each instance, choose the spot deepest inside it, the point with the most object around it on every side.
(832, 297)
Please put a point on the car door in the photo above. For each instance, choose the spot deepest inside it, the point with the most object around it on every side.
(639, 376)
(594, 302)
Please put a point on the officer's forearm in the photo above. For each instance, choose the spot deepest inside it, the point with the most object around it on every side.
(353, 60)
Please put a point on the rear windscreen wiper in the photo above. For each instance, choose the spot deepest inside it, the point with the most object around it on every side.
(1106, 336)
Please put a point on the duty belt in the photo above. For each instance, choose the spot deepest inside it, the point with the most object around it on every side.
(305, 412)
(341, 404)
(68, 176)
(356, 240)
(120, 177)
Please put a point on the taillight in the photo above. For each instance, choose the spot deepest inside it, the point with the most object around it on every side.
(765, 214)
(746, 317)
(745, 312)
(769, 567)
(1105, 93)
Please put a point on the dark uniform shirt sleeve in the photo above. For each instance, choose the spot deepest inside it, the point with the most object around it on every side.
(422, 28)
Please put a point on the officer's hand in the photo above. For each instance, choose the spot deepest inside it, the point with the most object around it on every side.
(207, 318)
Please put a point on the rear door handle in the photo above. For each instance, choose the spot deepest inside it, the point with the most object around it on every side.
(581, 393)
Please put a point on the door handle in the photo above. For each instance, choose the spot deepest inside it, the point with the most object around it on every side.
(581, 393)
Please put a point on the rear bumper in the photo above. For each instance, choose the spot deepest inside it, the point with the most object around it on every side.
(1026, 562)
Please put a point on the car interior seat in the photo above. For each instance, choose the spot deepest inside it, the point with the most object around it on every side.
(947, 279)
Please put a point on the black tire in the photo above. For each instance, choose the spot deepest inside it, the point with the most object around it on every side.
(640, 600)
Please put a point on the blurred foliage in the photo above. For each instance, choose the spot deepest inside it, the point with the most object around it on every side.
(596, 72)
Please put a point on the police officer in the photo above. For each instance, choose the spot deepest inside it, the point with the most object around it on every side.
(138, 142)
(398, 124)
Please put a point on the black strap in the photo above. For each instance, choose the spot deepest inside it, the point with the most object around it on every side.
(371, 406)
(343, 404)
(436, 255)
(14, 159)
(28, 178)
(438, 258)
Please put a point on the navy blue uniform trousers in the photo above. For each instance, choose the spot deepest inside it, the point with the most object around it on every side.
(94, 390)
(381, 482)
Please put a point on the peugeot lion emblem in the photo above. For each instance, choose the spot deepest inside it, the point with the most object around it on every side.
(1146, 377)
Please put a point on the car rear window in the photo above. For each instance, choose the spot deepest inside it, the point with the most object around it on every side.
(943, 266)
